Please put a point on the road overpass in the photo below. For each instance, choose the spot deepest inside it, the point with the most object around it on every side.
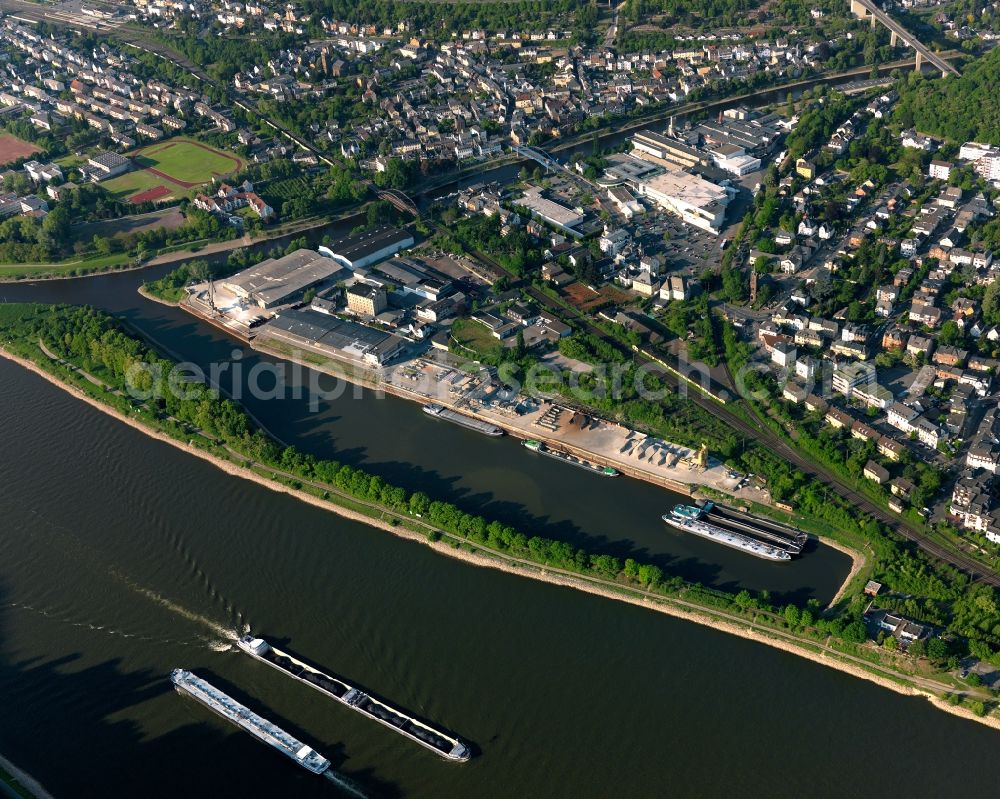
(866, 9)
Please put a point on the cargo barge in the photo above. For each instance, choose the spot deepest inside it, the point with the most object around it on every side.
(437, 741)
(565, 457)
(478, 425)
(689, 518)
(260, 728)
(788, 538)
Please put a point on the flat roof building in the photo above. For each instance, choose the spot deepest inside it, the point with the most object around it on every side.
(665, 150)
(278, 281)
(366, 299)
(328, 335)
(695, 200)
(556, 214)
(364, 249)
(107, 165)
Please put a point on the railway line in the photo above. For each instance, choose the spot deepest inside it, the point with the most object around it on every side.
(760, 433)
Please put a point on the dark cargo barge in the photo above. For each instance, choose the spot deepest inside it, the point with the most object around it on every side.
(437, 741)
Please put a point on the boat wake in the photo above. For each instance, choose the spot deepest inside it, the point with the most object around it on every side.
(62, 617)
(227, 635)
(345, 784)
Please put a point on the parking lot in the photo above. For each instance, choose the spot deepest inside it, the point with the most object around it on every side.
(688, 250)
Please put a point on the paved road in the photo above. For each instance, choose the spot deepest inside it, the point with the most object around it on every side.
(759, 432)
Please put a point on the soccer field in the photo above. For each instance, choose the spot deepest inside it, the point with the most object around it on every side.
(186, 162)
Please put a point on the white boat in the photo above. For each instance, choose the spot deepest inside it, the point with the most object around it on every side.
(688, 518)
(260, 728)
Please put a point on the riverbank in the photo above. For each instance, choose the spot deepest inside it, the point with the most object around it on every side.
(478, 555)
(19, 783)
(153, 298)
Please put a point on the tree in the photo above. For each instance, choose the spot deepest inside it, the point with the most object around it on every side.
(937, 649)
(855, 633)
(420, 503)
(650, 575)
(951, 335)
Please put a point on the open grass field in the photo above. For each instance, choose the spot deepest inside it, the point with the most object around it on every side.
(172, 169)
(67, 268)
(12, 148)
(474, 337)
(186, 162)
(126, 186)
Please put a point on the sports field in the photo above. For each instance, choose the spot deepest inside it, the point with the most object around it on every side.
(171, 169)
(12, 148)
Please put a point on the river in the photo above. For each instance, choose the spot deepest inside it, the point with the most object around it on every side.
(123, 558)
(494, 477)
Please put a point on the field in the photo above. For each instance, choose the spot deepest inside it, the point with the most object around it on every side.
(171, 169)
(474, 338)
(68, 268)
(583, 298)
(169, 218)
(12, 148)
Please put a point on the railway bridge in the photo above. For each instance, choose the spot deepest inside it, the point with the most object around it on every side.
(866, 9)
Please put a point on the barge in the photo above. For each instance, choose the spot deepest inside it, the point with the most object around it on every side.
(439, 742)
(478, 425)
(565, 457)
(689, 518)
(260, 728)
(788, 538)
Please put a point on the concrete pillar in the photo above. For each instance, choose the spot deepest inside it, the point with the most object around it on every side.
(873, 21)
(892, 38)
(920, 61)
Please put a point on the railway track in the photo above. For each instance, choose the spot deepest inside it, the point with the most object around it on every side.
(764, 436)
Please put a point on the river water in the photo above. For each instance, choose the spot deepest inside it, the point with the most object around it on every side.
(121, 558)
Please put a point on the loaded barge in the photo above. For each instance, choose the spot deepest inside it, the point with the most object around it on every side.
(461, 419)
(437, 741)
(788, 538)
(565, 457)
(260, 728)
(728, 527)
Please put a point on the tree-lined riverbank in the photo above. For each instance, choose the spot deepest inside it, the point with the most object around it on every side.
(416, 517)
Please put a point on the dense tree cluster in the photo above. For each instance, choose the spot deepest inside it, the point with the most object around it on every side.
(966, 108)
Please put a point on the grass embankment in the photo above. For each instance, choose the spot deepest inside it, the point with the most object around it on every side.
(350, 492)
(72, 267)
(11, 781)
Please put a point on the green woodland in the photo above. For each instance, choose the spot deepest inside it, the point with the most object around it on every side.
(961, 109)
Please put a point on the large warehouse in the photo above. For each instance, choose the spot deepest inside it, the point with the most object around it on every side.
(367, 248)
(279, 281)
(333, 337)
(695, 200)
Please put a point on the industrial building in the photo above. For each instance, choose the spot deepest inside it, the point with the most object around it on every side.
(556, 214)
(665, 150)
(409, 276)
(279, 281)
(364, 249)
(695, 200)
(337, 338)
(366, 299)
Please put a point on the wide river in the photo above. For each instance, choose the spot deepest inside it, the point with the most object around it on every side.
(121, 558)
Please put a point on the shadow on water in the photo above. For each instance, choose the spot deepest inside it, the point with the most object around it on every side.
(99, 745)
(392, 439)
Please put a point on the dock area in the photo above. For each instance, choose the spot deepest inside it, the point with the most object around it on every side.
(601, 441)
(473, 392)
